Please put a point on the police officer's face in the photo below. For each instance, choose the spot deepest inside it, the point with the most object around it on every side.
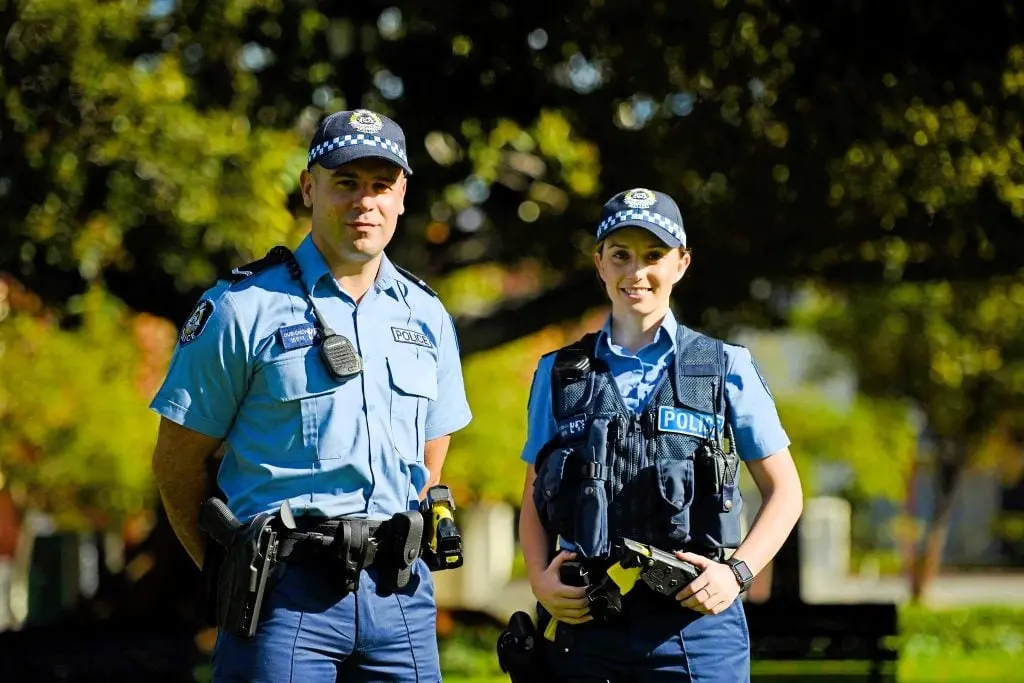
(355, 207)
(639, 271)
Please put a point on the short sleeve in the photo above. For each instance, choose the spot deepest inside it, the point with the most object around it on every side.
(540, 419)
(450, 411)
(752, 412)
(208, 375)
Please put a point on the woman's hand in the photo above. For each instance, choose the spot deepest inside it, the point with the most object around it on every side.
(567, 604)
(714, 590)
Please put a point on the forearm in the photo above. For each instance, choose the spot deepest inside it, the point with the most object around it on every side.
(533, 539)
(180, 467)
(780, 509)
(434, 453)
(182, 495)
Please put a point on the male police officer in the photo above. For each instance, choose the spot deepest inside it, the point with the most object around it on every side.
(333, 379)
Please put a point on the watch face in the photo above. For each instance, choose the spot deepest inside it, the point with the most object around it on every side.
(742, 572)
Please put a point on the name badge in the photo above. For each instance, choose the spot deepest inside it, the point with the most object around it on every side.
(297, 336)
(691, 423)
(574, 426)
(404, 336)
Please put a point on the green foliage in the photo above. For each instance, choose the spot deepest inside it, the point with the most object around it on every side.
(469, 652)
(135, 139)
(955, 349)
(75, 434)
(876, 438)
(969, 630)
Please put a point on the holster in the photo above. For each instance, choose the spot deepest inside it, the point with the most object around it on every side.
(518, 653)
(399, 540)
(248, 557)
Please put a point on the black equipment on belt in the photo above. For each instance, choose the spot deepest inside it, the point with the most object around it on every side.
(244, 555)
(518, 655)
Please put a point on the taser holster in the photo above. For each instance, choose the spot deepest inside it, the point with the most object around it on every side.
(240, 580)
(442, 543)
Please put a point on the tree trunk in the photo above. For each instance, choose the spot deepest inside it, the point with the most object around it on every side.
(951, 463)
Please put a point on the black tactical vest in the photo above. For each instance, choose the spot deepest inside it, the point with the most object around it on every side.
(668, 477)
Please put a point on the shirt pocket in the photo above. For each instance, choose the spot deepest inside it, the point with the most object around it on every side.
(297, 387)
(413, 384)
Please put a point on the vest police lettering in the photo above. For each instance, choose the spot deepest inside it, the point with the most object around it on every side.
(669, 478)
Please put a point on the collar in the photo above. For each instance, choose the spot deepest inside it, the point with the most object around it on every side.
(667, 330)
(314, 267)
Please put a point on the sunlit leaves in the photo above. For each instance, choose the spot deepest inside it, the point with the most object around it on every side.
(955, 349)
(75, 434)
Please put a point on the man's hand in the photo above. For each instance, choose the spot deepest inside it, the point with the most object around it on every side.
(714, 590)
(567, 604)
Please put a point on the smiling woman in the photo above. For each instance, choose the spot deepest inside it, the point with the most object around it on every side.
(639, 272)
(636, 433)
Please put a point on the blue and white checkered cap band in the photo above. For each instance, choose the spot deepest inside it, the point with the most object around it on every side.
(358, 139)
(620, 217)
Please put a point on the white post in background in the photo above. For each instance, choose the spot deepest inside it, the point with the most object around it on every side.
(824, 545)
(488, 545)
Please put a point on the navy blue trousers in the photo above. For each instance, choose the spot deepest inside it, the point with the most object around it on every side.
(655, 639)
(310, 632)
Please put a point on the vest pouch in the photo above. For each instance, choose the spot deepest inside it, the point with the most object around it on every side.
(674, 500)
(553, 495)
(591, 525)
(718, 504)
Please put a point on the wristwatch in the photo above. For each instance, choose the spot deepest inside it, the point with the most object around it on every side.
(742, 572)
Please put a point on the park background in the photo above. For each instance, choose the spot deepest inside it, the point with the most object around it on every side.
(851, 177)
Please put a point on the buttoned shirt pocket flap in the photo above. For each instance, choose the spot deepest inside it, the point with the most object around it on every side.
(414, 378)
(298, 377)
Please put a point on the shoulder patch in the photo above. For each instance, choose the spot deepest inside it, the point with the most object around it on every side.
(416, 280)
(196, 322)
(275, 256)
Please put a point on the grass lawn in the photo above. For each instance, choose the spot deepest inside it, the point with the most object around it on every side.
(940, 669)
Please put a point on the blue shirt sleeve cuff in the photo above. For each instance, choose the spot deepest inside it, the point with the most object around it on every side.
(763, 449)
(189, 419)
(459, 421)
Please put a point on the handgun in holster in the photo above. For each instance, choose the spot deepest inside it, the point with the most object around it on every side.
(517, 650)
(249, 556)
(442, 544)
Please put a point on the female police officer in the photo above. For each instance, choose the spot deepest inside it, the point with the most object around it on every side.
(333, 378)
(634, 433)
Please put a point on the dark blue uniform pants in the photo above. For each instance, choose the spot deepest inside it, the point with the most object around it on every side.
(655, 639)
(311, 633)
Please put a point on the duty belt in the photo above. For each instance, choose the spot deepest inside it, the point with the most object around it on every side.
(351, 545)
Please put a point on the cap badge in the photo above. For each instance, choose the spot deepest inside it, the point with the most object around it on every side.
(365, 121)
(639, 198)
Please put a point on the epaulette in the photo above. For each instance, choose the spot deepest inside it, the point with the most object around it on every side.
(274, 257)
(423, 285)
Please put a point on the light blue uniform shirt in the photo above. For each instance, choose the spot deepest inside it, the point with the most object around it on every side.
(249, 371)
(752, 413)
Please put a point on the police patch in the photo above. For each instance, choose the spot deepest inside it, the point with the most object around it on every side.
(365, 121)
(574, 426)
(639, 198)
(691, 423)
(404, 336)
(196, 322)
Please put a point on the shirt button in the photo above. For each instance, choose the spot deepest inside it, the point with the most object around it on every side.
(728, 505)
